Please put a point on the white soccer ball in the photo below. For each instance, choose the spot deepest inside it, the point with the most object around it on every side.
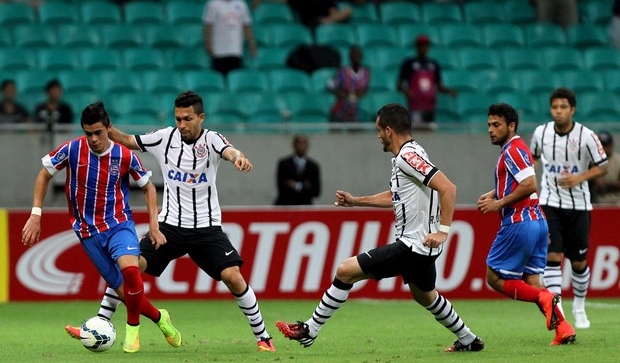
(97, 334)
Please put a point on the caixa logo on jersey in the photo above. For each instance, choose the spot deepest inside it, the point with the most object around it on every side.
(189, 178)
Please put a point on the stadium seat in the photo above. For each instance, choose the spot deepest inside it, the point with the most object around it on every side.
(119, 82)
(586, 35)
(525, 104)
(248, 80)
(521, 58)
(204, 81)
(382, 81)
(197, 60)
(56, 59)
(595, 12)
(138, 120)
(6, 38)
(161, 81)
(601, 107)
(100, 59)
(562, 58)
(612, 80)
(77, 36)
(463, 80)
(445, 111)
(289, 36)
(289, 81)
(138, 104)
(388, 58)
(602, 58)
(582, 81)
(483, 12)
(473, 107)
(184, 12)
(32, 81)
(16, 13)
(162, 36)
(516, 12)
(399, 12)
(335, 34)
(320, 77)
(308, 107)
(380, 99)
(493, 82)
(479, 58)
(446, 57)
(376, 35)
(78, 81)
(407, 34)
(544, 35)
(143, 59)
(538, 81)
(121, 36)
(262, 35)
(502, 35)
(14, 59)
(437, 13)
(364, 14)
(267, 13)
(460, 35)
(34, 36)
(188, 36)
(220, 103)
(224, 117)
(269, 58)
(143, 12)
(79, 101)
(58, 13)
(263, 107)
(100, 13)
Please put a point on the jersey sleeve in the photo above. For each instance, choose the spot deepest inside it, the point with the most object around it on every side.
(57, 159)
(218, 142)
(153, 140)
(137, 171)
(518, 163)
(416, 166)
(535, 146)
(595, 149)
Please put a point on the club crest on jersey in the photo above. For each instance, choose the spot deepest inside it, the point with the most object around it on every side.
(59, 157)
(573, 145)
(201, 150)
(115, 166)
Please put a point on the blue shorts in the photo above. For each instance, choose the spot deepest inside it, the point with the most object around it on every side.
(520, 248)
(106, 247)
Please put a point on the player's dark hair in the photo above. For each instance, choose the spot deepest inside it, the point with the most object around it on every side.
(190, 99)
(506, 111)
(564, 92)
(395, 116)
(93, 113)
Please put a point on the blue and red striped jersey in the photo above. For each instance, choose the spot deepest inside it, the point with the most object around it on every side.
(97, 185)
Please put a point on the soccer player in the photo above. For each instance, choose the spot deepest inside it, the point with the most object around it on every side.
(518, 254)
(97, 189)
(422, 197)
(571, 155)
(190, 217)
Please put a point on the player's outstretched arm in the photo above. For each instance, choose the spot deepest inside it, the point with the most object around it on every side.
(380, 200)
(237, 157)
(32, 228)
(122, 138)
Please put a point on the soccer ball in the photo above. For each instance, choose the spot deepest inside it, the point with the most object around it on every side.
(97, 334)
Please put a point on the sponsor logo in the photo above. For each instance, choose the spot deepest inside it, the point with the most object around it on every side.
(417, 162)
(134, 293)
(132, 248)
(189, 178)
(229, 252)
(559, 168)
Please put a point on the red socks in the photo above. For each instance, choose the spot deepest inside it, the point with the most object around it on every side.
(133, 288)
(519, 290)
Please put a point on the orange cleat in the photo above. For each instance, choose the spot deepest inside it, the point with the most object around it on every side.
(73, 331)
(547, 302)
(564, 334)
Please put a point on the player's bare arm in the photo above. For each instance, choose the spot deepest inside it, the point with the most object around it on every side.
(129, 141)
(447, 200)
(525, 189)
(32, 229)
(150, 196)
(380, 200)
(237, 157)
(570, 180)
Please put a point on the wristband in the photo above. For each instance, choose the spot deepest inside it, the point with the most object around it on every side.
(444, 228)
(36, 211)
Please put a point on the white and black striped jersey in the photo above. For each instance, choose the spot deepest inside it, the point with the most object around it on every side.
(572, 153)
(189, 172)
(416, 206)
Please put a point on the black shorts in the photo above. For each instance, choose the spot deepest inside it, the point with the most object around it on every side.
(396, 259)
(569, 232)
(208, 247)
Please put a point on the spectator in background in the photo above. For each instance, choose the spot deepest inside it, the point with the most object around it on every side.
(614, 25)
(227, 23)
(10, 110)
(53, 110)
(562, 12)
(419, 80)
(313, 13)
(349, 84)
(298, 176)
(607, 186)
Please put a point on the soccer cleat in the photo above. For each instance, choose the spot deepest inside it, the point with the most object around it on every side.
(173, 336)
(296, 331)
(475, 346)
(564, 334)
(547, 302)
(581, 319)
(265, 345)
(73, 331)
(132, 339)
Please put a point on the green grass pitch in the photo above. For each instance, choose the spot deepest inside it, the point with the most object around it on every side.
(362, 331)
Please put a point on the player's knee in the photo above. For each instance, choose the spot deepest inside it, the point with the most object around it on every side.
(349, 271)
